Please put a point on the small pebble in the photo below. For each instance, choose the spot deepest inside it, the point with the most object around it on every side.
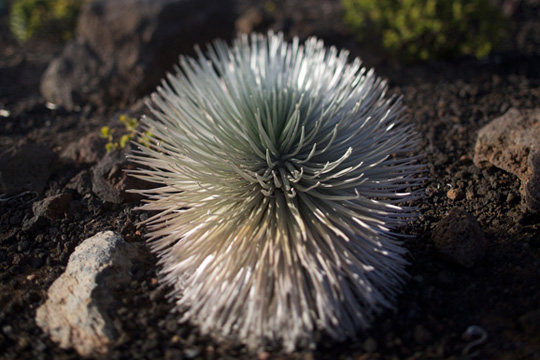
(175, 339)
(511, 197)
(370, 345)
(422, 335)
(173, 354)
(171, 325)
(263, 355)
(530, 321)
(454, 194)
(38, 260)
(23, 343)
(465, 158)
(191, 353)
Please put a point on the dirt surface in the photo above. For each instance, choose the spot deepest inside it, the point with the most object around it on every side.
(448, 101)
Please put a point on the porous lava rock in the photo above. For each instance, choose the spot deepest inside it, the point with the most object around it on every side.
(512, 142)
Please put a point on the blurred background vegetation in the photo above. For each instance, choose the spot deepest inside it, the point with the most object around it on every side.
(419, 30)
(407, 30)
(27, 18)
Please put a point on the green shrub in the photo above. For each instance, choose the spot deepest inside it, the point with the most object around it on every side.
(30, 17)
(426, 29)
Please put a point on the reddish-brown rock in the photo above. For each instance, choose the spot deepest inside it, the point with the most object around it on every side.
(52, 207)
(512, 143)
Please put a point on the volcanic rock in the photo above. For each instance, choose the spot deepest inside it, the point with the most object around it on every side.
(88, 149)
(512, 143)
(110, 181)
(124, 47)
(77, 313)
(52, 207)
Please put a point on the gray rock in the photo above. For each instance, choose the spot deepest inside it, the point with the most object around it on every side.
(52, 207)
(33, 224)
(512, 143)
(124, 47)
(76, 77)
(77, 313)
(25, 167)
(87, 150)
(81, 183)
(459, 238)
(110, 180)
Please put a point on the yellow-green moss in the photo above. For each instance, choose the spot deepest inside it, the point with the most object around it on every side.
(131, 126)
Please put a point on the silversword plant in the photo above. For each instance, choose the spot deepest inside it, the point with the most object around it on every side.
(282, 170)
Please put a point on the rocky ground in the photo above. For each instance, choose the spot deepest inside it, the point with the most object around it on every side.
(59, 188)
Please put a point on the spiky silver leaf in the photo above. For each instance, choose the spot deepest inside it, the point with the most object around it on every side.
(282, 167)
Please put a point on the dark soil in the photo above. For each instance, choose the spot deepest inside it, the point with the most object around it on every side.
(449, 101)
